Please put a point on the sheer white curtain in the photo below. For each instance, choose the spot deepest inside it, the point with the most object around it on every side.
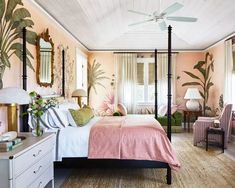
(228, 68)
(126, 75)
(162, 59)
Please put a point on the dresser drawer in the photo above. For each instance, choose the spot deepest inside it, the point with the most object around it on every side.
(43, 180)
(30, 157)
(32, 174)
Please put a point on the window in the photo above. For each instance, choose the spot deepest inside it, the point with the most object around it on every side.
(145, 80)
(81, 70)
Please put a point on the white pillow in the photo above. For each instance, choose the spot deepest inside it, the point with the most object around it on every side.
(65, 106)
(162, 110)
(58, 118)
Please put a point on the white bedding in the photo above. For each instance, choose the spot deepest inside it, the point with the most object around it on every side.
(73, 141)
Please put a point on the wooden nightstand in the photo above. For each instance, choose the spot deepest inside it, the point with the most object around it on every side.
(29, 165)
(187, 116)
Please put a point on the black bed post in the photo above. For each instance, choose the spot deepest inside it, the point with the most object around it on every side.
(168, 176)
(169, 85)
(63, 72)
(155, 69)
(23, 108)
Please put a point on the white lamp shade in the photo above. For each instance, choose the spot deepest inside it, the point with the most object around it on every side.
(79, 93)
(192, 93)
(16, 95)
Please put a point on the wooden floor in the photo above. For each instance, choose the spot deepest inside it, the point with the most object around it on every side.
(199, 169)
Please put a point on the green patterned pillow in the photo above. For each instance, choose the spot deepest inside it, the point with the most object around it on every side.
(82, 116)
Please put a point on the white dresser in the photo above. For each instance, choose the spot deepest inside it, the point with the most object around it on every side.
(29, 165)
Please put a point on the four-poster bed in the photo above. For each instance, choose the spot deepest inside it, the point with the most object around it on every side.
(84, 162)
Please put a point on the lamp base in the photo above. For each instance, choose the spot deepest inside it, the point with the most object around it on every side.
(12, 117)
(192, 105)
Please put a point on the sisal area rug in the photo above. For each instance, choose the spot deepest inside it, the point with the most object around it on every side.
(199, 169)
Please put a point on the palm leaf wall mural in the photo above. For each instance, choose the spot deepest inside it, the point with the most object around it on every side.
(204, 81)
(14, 17)
(95, 77)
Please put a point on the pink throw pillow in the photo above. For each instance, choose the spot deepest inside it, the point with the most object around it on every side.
(174, 108)
(122, 109)
(162, 110)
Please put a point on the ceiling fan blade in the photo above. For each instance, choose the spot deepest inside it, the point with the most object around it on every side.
(141, 13)
(144, 21)
(163, 26)
(172, 8)
(182, 19)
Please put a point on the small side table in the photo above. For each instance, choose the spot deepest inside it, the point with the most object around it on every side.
(187, 116)
(218, 131)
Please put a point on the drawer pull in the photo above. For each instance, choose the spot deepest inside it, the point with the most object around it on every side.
(35, 155)
(39, 185)
(36, 171)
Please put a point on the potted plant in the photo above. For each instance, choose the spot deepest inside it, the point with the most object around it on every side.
(37, 108)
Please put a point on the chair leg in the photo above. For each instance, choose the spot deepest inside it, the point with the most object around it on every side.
(222, 142)
(206, 140)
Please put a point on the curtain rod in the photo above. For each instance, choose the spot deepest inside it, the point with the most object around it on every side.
(143, 52)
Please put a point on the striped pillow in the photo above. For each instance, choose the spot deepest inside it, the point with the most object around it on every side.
(56, 118)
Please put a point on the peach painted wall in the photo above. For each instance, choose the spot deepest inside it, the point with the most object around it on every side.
(218, 75)
(185, 61)
(12, 76)
(106, 59)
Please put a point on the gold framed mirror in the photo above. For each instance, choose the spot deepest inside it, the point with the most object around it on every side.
(45, 59)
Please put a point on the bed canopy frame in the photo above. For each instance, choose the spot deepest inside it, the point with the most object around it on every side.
(112, 163)
(116, 163)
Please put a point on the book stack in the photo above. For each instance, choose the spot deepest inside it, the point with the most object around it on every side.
(6, 146)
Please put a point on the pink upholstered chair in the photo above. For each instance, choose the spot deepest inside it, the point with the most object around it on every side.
(200, 126)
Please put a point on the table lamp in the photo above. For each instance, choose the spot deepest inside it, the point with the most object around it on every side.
(11, 97)
(193, 95)
(79, 93)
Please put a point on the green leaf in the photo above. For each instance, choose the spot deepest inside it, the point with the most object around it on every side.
(210, 84)
(5, 59)
(206, 56)
(20, 56)
(203, 72)
(207, 72)
(20, 14)
(40, 101)
(19, 46)
(2, 8)
(199, 64)
(203, 96)
(31, 37)
(11, 5)
(192, 75)
(32, 94)
(21, 24)
(191, 84)
(212, 66)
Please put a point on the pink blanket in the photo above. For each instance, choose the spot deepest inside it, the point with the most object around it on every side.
(131, 137)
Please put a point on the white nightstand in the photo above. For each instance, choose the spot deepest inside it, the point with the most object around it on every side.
(29, 165)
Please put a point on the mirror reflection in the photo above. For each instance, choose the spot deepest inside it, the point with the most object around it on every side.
(45, 58)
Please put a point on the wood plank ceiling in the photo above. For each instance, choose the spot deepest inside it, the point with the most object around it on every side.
(103, 24)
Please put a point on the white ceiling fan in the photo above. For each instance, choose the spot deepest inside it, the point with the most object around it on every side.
(161, 16)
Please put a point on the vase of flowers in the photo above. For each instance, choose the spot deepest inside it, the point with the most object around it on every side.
(37, 108)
